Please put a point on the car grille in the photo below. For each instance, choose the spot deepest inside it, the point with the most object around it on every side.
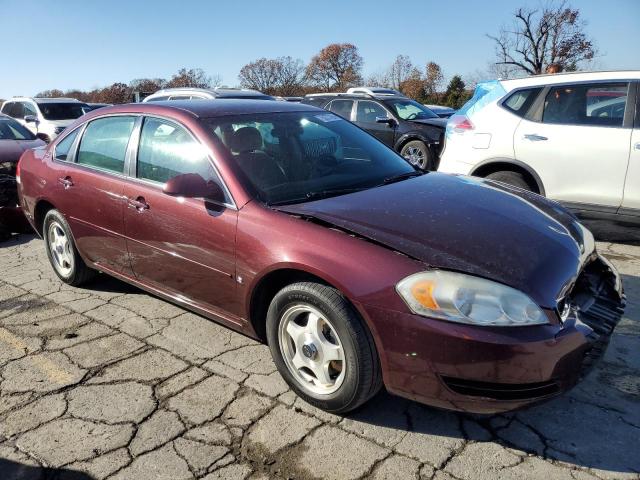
(597, 301)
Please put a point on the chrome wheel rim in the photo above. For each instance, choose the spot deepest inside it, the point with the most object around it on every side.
(60, 248)
(415, 156)
(311, 349)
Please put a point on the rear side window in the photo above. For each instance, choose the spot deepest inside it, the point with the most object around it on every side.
(158, 99)
(180, 97)
(520, 101)
(63, 148)
(167, 150)
(341, 107)
(584, 104)
(369, 111)
(104, 143)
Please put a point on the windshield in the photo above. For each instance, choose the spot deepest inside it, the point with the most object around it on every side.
(12, 130)
(411, 110)
(295, 157)
(62, 111)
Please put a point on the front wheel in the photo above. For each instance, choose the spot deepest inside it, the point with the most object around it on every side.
(322, 348)
(62, 252)
(418, 154)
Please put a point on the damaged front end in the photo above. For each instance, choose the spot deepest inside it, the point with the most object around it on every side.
(11, 217)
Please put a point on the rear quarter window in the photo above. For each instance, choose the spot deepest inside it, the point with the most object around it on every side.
(520, 101)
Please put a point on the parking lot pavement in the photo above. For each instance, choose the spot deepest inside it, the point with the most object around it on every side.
(107, 381)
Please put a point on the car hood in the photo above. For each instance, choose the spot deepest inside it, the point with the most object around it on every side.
(467, 225)
(438, 122)
(11, 150)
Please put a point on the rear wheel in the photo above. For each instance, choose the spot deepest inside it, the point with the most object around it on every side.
(322, 348)
(418, 154)
(62, 251)
(512, 178)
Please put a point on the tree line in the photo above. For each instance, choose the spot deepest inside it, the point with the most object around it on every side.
(539, 38)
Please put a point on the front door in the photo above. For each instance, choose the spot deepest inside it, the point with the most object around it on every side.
(580, 145)
(367, 113)
(182, 246)
(90, 186)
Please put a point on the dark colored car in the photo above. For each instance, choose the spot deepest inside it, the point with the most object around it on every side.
(403, 124)
(441, 111)
(14, 140)
(453, 291)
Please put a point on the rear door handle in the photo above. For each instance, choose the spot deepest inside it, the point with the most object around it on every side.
(637, 146)
(534, 138)
(66, 182)
(139, 204)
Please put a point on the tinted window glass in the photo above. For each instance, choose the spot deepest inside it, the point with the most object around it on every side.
(158, 99)
(62, 111)
(15, 110)
(180, 97)
(520, 101)
(29, 109)
(301, 156)
(596, 104)
(368, 111)
(410, 109)
(12, 130)
(63, 147)
(6, 107)
(167, 150)
(341, 107)
(104, 143)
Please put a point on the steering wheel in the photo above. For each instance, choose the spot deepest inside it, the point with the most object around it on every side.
(411, 116)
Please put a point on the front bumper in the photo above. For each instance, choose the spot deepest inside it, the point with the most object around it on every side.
(491, 370)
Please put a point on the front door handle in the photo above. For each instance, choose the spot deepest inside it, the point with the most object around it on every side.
(139, 204)
(66, 182)
(637, 146)
(534, 138)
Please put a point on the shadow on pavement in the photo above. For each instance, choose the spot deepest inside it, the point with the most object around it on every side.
(17, 239)
(10, 470)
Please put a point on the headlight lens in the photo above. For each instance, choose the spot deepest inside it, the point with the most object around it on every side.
(466, 299)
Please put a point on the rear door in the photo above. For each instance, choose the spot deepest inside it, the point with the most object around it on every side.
(182, 246)
(342, 107)
(631, 200)
(88, 169)
(578, 143)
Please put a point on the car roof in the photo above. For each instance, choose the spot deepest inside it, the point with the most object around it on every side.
(44, 100)
(209, 108)
(354, 96)
(570, 77)
(214, 92)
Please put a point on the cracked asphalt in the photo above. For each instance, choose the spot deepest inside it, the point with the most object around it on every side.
(109, 382)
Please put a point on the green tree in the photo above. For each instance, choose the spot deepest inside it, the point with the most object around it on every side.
(455, 95)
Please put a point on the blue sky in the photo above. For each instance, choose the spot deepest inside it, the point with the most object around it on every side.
(86, 44)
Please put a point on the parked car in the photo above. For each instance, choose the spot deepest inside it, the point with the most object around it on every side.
(206, 93)
(463, 293)
(572, 137)
(45, 117)
(441, 111)
(14, 140)
(401, 123)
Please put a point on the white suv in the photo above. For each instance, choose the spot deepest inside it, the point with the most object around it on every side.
(45, 117)
(573, 137)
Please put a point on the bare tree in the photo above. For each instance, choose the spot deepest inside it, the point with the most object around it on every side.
(291, 77)
(336, 67)
(539, 37)
(433, 78)
(400, 71)
(54, 93)
(277, 76)
(193, 77)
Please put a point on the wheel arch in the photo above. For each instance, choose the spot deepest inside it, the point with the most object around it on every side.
(493, 165)
(411, 136)
(39, 212)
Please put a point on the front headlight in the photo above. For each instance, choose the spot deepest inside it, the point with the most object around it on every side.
(466, 299)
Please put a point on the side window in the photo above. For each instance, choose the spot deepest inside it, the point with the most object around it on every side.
(63, 147)
(520, 101)
(341, 107)
(104, 143)
(596, 104)
(167, 150)
(15, 110)
(158, 99)
(179, 97)
(29, 109)
(368, 111)
(6, 108)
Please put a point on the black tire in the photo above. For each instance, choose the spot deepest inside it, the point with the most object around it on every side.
(425, 161)
(78, 273)
(362, 374)
(515, 179)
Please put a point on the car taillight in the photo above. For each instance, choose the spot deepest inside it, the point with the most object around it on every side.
(460, 124)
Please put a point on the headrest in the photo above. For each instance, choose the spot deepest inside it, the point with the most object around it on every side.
(245, 139)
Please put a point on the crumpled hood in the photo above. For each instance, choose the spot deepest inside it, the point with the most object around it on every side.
(469, 225)
(11, 150)
(438, 122)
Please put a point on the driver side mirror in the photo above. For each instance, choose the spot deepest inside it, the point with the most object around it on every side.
(388, 120)
(31, 119)
(192, 185)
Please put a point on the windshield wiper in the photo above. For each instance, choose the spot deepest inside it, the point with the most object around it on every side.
(402, 176)
(317, 195)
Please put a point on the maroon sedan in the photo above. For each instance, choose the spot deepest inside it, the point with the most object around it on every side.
(14, 140)
(292, 225)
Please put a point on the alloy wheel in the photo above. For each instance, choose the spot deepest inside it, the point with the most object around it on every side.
(60, 248)
(416, 157)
